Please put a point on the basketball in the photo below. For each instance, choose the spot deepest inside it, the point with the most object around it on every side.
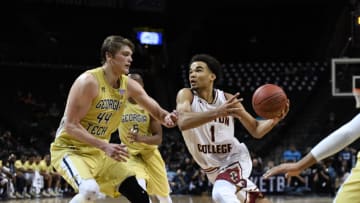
(269, 100)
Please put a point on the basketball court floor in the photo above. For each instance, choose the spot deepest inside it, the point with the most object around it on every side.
(183, 199)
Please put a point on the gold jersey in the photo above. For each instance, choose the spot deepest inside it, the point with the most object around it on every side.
(104, 115)
(136, 117)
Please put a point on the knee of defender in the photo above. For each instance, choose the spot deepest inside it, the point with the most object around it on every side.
(89, 189)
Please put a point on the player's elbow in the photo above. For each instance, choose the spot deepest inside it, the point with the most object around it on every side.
(257, 135)
(69, 127)
(182, 125)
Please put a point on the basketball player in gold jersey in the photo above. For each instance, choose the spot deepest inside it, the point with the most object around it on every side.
(142, 134)
(336, 141)
(81, 151)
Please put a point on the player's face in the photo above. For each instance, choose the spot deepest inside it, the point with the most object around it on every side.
(200, 75)
(121, 61)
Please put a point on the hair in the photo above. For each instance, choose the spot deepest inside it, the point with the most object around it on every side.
(213, 64)
(137, 76)
(114, 43)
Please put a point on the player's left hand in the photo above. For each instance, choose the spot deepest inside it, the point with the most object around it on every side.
(133, 135)
(289, 169)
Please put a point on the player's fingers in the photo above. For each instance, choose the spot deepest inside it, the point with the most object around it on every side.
(232, 98)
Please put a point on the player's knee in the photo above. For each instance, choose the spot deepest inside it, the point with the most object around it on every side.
(89, 189)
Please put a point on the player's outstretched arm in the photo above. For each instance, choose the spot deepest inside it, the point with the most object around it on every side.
(188, 119)
(136, 91)
(291, 169)
(330, 145)
(257, 128)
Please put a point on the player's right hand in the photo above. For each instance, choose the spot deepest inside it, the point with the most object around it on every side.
(289, 169)
(118, 152)
(231, 106)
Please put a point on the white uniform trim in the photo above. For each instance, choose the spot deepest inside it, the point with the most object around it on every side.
(337, 140)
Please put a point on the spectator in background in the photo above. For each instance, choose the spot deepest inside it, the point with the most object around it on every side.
(291, 154)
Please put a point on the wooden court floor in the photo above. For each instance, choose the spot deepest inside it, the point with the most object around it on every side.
(182, 199)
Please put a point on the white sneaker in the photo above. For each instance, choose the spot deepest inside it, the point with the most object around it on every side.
(51, 193)
(18, 195)
(45, 194)
(11, 196)
(26, 195)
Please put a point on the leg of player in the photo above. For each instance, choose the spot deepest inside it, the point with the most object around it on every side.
(162, 199)
(142, 183)
(133, 191)
(88, 191)
(224, 192)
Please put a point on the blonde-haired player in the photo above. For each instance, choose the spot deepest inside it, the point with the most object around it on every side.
(142, 134)
(81, 151)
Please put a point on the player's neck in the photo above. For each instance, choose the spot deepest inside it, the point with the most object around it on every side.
(110, 77)
(207, 94)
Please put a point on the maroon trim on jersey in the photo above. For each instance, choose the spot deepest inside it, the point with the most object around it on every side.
(211, 169)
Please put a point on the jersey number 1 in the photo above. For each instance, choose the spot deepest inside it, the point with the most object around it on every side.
(212, 131)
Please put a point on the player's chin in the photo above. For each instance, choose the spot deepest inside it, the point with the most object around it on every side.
(126, 70)
(193, 87)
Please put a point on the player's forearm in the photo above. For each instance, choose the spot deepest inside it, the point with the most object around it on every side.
(79, 133)
(151, 140)
(306, 162)
(258, 129)
(266, 126)
(188, 120)
(155, 109)
(337, 140)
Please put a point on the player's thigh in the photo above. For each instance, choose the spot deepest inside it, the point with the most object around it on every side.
(158, 182)
(137, 164)
(350, 190)
(73, 167)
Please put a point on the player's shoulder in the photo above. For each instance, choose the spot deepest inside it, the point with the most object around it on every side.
(185, 91)
(227, 95)
(185, 94)
(87, 78)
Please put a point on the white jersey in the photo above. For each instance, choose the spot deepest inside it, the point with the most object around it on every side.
(213, 144)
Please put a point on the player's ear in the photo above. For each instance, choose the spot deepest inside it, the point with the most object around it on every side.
(108, 55)
(212, 76)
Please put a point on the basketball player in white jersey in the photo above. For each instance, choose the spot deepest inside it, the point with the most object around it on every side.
(206, 119)
(336, 141)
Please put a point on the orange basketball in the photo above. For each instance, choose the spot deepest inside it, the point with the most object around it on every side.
(269, 100)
